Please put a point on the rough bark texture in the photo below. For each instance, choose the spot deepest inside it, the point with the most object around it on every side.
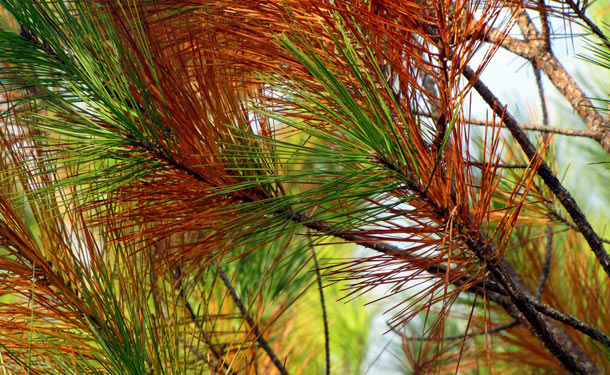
(536, 50)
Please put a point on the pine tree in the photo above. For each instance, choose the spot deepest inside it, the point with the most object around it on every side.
(183, 184)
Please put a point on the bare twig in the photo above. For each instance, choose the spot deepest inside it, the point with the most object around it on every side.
(248, 318)
(543, 105)
(551, 312)
(207, 339)
(323, 306)
(567, 223)
(504, 166)
(540, 128)
(546, 266)
(497, 329)
(545, 29)
(570, 321)
(551, 129)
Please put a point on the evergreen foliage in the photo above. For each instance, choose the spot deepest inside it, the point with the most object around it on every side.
(252, 187)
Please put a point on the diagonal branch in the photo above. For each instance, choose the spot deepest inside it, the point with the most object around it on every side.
(545, 25)
(544, 171)
(502, 273)
(389, 249)
(486, 251)
(322, 304)
(590, 24)
(177, 278)
(555, 327)
(556, 215)
(253, 326)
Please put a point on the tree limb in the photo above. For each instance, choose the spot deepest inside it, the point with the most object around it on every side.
(389, 249)
(536, 51)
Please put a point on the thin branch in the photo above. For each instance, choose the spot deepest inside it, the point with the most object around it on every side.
(594, 333)
(543, 171)
(570, 321)
(253, 326)
(551, 129)
(555, 326)
(323, 306)
(543, 104)
(545, 28)
(504, 166)
(208, 340)
(564, 221)
(546, 266)
(593, 134)
(497, 329)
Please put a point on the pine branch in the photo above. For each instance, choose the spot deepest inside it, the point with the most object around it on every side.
(440, 270)
(519, 299)
(503, 278)
(544, 171)
(503, 273)
(498, 295)
(556, 327)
